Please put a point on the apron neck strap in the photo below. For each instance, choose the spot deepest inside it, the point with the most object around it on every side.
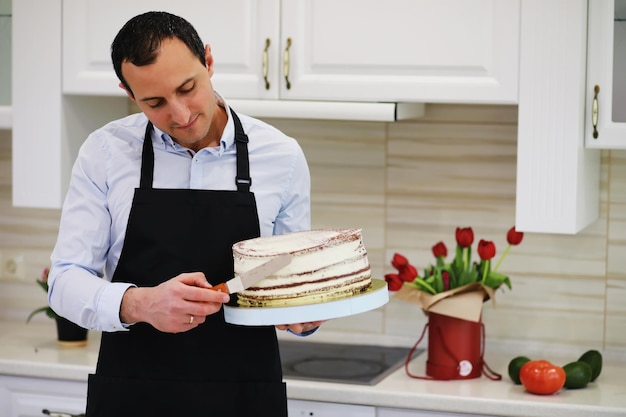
(242, 179)
(147, 160)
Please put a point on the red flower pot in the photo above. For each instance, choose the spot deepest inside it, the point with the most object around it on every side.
(455, 348)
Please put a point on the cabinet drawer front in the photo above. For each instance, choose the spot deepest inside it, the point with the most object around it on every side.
(299, 408)
(411, 50)
(27, 397)
(236, 31)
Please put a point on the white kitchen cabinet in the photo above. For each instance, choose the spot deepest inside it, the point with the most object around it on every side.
(558, 180)
(402, 50)
(399, 412)
(48, 127)
(605, 116)
(344, 50)
(5, 67)
(341, 50)
(413, 50)
(300, 408)
(236, 31)
(27, 397)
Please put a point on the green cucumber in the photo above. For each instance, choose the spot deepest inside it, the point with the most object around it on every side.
(514, 367)
(577, 374)
(594, 359)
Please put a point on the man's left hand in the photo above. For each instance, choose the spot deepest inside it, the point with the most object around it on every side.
(298, 328)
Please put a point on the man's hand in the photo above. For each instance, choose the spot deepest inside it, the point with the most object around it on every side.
(177, 305)
(298, 328)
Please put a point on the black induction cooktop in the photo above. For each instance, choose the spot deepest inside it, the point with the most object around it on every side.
(345, 363)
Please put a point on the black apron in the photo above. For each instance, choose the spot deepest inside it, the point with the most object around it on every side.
(216, 369)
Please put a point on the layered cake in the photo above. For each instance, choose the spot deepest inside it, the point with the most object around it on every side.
(326, 265)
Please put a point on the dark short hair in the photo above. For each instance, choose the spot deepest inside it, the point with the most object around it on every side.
(139, 39)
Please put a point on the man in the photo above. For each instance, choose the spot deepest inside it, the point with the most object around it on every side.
(156, 201)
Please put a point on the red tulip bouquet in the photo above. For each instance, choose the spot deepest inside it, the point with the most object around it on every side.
(461, 271)
(452, 295)
(445, 279)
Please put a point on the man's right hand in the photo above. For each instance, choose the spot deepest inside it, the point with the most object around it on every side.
(170, 306)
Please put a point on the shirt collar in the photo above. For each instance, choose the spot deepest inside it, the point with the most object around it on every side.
(228, 134)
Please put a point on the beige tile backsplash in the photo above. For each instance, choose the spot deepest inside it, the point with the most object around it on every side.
(409, 185)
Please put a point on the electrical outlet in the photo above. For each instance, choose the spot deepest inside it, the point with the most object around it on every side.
(13, 266)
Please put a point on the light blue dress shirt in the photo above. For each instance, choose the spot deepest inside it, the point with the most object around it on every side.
(104, 178)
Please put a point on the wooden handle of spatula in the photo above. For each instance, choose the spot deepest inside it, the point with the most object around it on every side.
(221, 287)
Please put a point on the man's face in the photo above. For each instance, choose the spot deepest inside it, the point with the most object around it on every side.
(176, 94)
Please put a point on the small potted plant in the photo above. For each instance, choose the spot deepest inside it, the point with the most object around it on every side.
(68, 333)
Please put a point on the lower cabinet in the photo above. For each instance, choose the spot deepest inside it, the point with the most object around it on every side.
(299, 408)
(398, 412)
(28, 397)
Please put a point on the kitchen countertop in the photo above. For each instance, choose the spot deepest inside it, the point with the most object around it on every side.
(31, 351)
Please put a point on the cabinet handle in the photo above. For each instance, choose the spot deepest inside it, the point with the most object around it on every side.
(286, 63)
(59, 414)
(266, 63)
(594, 111)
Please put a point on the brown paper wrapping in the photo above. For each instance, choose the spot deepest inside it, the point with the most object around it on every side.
(464, 302)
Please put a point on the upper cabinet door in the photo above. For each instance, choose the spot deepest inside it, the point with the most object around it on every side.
(5, 68)
(236, 31)
(463, 51)
(605, 122)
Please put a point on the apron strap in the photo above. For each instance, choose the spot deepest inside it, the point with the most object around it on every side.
(147, 160)
(242, 179)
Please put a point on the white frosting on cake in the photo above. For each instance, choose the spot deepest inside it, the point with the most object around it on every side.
(326, 264)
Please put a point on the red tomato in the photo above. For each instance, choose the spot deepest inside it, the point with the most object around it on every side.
(542, 377)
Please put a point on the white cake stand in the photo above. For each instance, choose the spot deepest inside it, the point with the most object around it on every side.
(371, 299)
